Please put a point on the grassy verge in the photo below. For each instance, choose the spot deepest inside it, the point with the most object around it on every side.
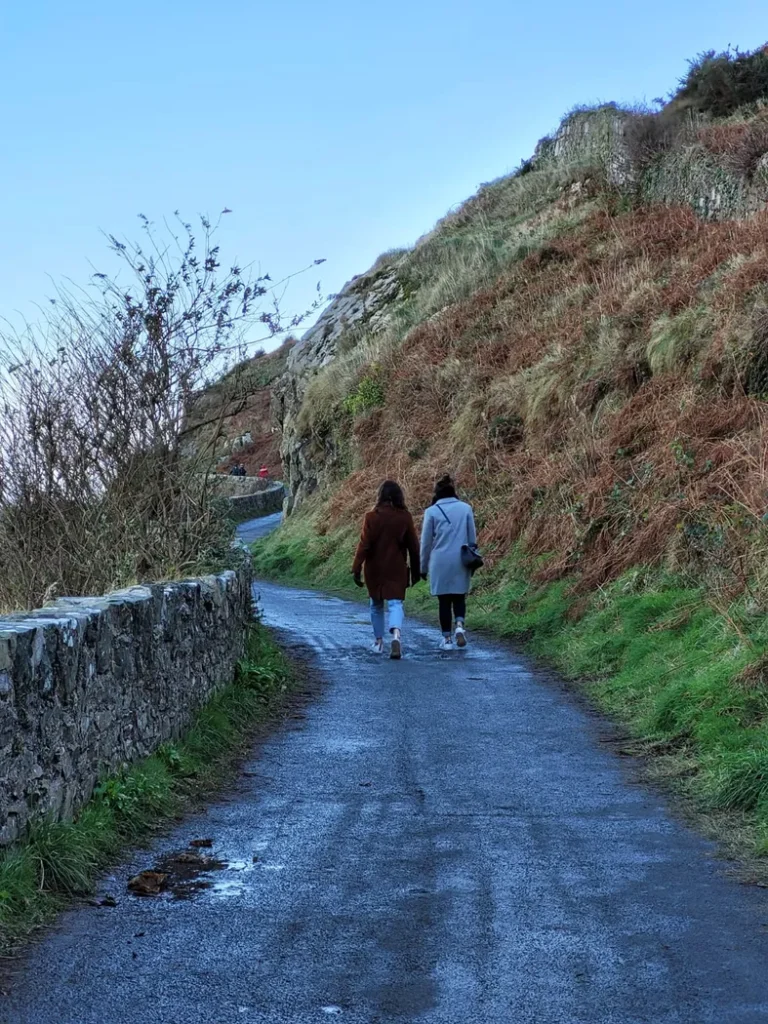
(686, 676)
(58, 860)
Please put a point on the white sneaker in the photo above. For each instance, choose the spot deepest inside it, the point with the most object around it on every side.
(377, 647)
(461, 637)
(396, 649)
(447, 644)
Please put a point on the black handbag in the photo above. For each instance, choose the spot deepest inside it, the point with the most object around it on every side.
(471, 557)
(470, 553)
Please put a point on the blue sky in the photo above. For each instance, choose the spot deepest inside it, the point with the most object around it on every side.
(333, 130)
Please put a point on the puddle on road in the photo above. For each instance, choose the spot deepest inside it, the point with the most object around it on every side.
(184, 874)
(227, 888)
(180, 875)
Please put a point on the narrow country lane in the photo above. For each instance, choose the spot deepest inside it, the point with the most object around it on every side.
(443, 839)
(257, 528)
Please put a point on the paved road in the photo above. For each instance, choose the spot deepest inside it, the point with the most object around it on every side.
(254, 529)
(443, 840)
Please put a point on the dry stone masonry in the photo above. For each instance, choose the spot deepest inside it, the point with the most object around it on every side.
(89, 685)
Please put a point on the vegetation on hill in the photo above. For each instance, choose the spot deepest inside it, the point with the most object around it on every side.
(231, 391)
(720, 83)
(233, 417)
(593, 368)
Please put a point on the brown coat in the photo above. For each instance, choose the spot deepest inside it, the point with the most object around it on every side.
(388, 538)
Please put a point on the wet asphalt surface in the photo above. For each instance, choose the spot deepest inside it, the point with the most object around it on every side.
(256, 528)
(447, 839)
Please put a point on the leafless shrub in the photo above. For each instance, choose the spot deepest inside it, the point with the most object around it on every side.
(99, 484)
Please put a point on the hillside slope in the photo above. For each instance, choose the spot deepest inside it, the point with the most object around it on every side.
(235, 417)
(584, 344)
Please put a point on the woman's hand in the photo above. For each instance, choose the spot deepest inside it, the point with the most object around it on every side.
(358, 579)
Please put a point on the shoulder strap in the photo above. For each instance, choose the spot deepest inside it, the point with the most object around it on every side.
(445, 517)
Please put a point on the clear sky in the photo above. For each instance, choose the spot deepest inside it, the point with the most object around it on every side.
(333, 129)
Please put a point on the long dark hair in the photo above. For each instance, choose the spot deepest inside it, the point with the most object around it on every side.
(390, 493)
(444, 488)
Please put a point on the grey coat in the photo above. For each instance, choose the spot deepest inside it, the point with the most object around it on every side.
(447, 526)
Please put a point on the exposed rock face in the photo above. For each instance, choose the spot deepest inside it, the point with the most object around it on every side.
(91, 684)
(592, 138)
(362, 305)
(685, 175)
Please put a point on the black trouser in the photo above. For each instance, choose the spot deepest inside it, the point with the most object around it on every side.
(451, 605)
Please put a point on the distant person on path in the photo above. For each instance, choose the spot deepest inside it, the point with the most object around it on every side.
(234, 471)
(263, 473)
(388, 541)
(449, 524)
(241, 470)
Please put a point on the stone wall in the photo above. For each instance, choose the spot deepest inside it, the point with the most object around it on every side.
(234, 486)
(91, 684)
(260, 503)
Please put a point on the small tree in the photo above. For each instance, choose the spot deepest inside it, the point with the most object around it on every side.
(98, 485)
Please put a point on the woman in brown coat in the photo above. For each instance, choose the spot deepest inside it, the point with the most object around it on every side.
(387, 542)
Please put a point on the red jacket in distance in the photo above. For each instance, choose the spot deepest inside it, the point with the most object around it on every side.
(387, 542)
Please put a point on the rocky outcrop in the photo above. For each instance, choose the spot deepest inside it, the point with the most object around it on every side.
(89, 685)
(591, 138)
(363, 305)
(680, 172)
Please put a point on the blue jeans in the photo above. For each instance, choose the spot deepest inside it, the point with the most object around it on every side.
(395, 609)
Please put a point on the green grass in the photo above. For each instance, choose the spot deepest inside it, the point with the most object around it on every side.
(297, 553)
(684, 676)
(58, 860)
(369, 394)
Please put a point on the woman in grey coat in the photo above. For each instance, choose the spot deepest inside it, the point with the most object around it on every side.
(448, 525)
